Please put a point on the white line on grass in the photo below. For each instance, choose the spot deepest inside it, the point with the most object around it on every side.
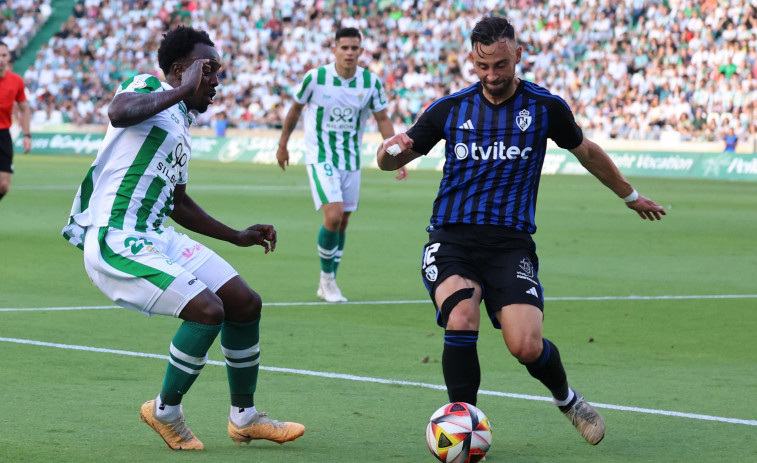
(426, 301)
(369, 379)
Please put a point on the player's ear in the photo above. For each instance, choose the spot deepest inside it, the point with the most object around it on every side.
(177, 69)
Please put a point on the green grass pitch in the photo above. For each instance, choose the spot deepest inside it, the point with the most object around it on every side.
(655, 322)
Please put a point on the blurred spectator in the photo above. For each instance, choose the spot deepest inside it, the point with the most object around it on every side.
(731, 140)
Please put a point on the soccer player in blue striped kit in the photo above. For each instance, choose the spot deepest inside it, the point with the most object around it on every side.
(480, 246)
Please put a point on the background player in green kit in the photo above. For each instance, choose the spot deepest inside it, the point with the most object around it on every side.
(137, 182)
(338, 97)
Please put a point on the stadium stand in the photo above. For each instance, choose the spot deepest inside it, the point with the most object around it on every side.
(641, 70)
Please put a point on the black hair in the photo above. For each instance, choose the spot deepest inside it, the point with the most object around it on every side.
(3, 44)
(491, 29)
(347, 32)
(178, 43)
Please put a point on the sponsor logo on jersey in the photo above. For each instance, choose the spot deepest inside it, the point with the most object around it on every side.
(189, 252)
(493, 152)
(341, 118)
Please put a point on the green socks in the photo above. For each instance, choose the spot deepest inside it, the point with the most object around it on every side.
(240, 346)
(189, 352)
(339, 250)
(328, 246)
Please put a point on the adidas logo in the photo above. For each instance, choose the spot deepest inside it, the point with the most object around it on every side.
(467, 126)
(532, 292)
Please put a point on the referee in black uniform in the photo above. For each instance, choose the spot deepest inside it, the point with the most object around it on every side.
(480, 245)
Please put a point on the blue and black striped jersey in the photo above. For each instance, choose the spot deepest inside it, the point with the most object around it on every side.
(494, 153)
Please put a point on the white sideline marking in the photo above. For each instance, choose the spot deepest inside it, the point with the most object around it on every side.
(368, 379)
(425, 301)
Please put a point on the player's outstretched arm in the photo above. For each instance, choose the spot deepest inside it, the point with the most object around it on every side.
(599, 164)
(191, 216)
(395, 152)
(386, 128)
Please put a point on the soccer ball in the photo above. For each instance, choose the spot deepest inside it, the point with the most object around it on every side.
(458, 433)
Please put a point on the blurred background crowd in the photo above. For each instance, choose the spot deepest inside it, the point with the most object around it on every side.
(630, 69)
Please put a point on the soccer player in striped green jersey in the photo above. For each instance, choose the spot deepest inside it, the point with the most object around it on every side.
(338, 99)
(137, 181)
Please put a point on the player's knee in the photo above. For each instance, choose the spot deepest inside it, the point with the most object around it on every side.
(206, 308)
(251, 307)
(526, 350)
(459, 312)
(4, 187)
(244, 307)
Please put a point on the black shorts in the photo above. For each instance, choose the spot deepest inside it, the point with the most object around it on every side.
(6, 151)
(503, 261)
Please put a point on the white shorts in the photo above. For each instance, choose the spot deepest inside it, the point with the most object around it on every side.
(154, 273)
(331, 185)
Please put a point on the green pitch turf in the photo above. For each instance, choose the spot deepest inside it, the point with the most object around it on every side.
(655, 323)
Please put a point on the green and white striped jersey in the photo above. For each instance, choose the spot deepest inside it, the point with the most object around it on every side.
(130, 184)
(336, 112)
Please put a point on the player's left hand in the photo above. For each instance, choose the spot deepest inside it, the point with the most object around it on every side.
(401, 173)
(646, 208)
(27, 144)
(262, 235)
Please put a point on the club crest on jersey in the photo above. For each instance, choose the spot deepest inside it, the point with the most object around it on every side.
(138, 83)
(523, 120)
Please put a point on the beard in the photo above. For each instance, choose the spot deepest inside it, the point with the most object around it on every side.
(499, 88)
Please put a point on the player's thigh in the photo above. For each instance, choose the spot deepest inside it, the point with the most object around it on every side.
(511, 278)
(350, 189)
(132, 270)
(210, 268)
(325, 184)
(452, 281)
(522, 330)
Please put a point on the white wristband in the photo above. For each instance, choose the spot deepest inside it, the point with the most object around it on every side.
(632, 197)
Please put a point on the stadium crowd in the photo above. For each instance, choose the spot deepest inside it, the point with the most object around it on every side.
(20, 20)
(632, 69)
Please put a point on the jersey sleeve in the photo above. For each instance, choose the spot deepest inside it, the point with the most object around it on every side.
(305, 92)
(143, 83)
(378, 96)
(427, 131)
(562, 125)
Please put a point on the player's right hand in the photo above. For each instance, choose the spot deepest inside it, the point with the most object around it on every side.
(646, 208)
(260, 234)
(397, 144)
(192, 75)
(282, 156)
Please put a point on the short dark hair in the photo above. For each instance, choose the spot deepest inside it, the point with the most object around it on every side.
(178, 43)
(491, 29)
(3, 44)
(347, 32)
